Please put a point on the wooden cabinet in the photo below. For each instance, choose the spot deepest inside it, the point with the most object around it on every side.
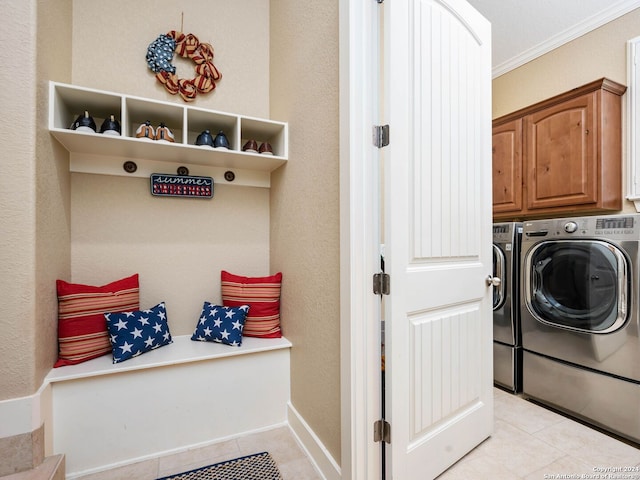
(507, 167)
(562, 156)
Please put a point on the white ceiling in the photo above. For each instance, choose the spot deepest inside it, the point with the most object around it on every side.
(525, 29)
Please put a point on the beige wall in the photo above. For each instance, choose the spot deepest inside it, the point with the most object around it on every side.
(177, 245)
(52, 181)
(34, 242)
(600, 53)
(305, 205)
(17, 196)
(110, 42)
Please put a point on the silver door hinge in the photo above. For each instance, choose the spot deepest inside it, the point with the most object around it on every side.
(381, 283)
(381, 431)
(381, 135)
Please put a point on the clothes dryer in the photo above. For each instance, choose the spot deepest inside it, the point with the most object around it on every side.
(580, 283)
(507, 345)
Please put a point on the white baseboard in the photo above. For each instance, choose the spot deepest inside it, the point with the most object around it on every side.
(22, 415)
(312, 445)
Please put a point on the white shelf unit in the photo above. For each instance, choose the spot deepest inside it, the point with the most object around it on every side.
(105, 154)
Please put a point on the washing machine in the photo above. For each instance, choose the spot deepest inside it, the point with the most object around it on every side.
(579, 317)
(507, 345)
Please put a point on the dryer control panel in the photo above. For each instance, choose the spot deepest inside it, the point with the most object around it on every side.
(614, 223)
(614, 227)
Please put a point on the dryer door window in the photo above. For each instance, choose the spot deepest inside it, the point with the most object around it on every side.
(577, 285)
(499, 267)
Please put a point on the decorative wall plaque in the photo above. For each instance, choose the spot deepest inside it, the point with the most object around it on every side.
(164, 185)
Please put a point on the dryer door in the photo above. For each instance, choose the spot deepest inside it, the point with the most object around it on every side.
(578, 285)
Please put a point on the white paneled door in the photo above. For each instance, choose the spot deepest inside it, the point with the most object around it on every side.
(437, 234)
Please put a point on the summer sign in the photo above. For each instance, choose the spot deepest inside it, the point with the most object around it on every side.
(181, 186)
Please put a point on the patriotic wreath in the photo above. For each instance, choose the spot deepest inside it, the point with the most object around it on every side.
(160, 53)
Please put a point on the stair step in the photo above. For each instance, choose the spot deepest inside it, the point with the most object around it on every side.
(52, 468)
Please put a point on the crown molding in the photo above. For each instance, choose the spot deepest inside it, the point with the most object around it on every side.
(616, 10)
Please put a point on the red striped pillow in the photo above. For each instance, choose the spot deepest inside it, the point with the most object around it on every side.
(82, 329)
(262, 294)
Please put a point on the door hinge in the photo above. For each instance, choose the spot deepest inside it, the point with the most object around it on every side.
(381, 431)
(381, 135)
(381, 283)
(379, 1)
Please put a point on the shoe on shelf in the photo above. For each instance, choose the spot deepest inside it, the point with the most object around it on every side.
(221, 141)
(205, 139)
(110, 126)
(250, 146)
(146, 131)
(84, 123)
(265, 149)
(163, 134)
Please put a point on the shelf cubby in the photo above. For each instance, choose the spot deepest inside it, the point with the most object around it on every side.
(274, 133)
(105, 154)
(200, 120)
(138, 111)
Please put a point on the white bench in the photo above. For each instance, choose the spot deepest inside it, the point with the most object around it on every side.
(182, 395)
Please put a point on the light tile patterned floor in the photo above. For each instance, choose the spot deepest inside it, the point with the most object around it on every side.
(279, 442)
(529, 442)
(532, 443)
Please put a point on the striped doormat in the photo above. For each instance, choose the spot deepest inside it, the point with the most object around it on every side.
(259, 466)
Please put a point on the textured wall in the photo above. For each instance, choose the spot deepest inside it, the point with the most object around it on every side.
(17, 197)
(177, 245)
(110, 43)
(305, 206)
(33, 239)
(53, 241)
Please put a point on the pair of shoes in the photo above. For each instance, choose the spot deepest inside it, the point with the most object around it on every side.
(85, 123)
(205, 139)
(146, 132)
(110, 126)
(252, 146)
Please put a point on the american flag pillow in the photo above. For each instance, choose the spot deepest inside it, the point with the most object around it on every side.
(134, 333)
(262, 294)
(82, 331)
(220, 324)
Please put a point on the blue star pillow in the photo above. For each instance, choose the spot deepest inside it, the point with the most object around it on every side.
(134, 333)
(221, 324)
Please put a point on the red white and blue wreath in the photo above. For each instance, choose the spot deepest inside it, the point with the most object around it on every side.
(160, 54)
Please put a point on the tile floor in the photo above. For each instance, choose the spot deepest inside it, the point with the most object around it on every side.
(529, 442)
(532, 443)
(279, 442)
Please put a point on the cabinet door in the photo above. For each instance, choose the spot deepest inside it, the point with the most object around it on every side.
(560, 154)
(507, 167)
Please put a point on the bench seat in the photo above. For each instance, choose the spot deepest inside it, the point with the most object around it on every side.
(183, 395)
